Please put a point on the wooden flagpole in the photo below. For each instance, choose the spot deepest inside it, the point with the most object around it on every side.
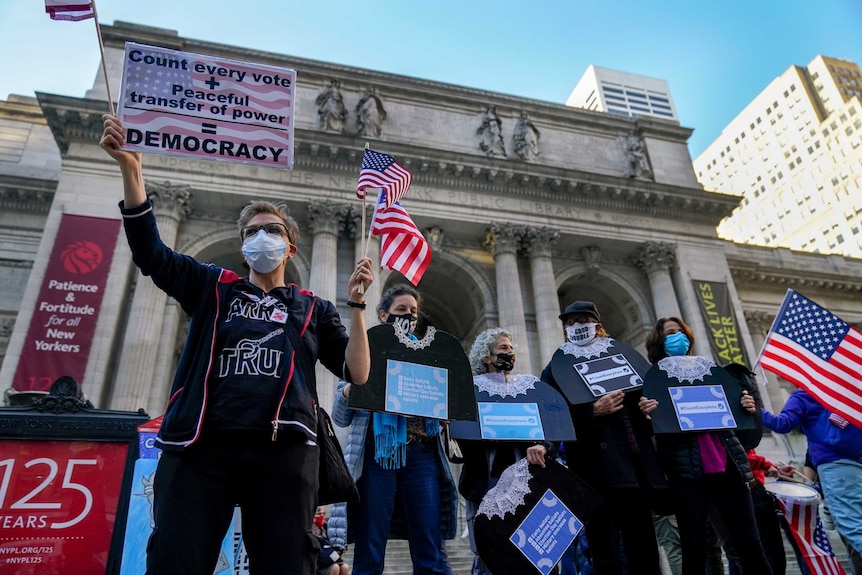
(102, 50)
(364, 238)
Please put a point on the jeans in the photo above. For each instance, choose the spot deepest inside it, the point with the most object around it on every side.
(841, 481)
(417, 486)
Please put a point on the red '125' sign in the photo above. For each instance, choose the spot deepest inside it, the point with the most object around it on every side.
(58, 504)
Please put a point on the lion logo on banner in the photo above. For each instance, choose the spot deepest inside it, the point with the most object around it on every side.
(81, 257)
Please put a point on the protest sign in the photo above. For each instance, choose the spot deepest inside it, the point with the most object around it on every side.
(184, 104)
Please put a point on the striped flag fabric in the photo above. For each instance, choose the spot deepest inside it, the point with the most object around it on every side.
(807, 535)
(814, 349)
(402, 246)
(69, 10)
(383, 172)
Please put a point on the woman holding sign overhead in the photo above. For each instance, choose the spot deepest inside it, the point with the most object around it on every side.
(704, 468)
(405, 485)
(613, 451)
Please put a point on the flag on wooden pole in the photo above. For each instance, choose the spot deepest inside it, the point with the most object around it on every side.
(381, 171)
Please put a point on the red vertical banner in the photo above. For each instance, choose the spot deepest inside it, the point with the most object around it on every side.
(64, 321)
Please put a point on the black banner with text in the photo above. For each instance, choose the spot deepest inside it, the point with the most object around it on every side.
(724, 336)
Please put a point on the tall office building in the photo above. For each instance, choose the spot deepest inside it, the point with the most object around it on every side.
(795, 155)
(622, 93)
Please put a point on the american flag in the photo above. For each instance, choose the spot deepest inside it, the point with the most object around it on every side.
(809, 538)
(811, 347)
(69, 10)
(383, 172)
(402, 246)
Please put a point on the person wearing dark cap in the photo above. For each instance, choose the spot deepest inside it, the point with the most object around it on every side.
(615, 455)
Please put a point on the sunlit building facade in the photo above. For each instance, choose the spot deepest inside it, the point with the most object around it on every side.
(795, 155)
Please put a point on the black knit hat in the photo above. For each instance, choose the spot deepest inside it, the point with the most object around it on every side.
(581, 307)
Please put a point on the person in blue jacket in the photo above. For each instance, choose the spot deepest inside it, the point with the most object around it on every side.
(240, 424)
(405, 486)
(835, 448)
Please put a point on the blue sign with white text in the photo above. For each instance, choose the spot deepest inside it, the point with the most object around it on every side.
(546, 532)
(701, 407)
(510, 421)
(414, 389)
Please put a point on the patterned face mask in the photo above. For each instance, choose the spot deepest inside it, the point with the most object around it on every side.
(581, 333)
(505, 362)
(407, 321)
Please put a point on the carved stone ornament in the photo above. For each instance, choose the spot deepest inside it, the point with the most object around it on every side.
(65, 397)
(370, 114)
(170, 200)
(637, 157)
(526, 139)
(654, 256)
(491, 132)
(332, 115)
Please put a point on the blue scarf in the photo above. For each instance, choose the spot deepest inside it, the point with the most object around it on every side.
(390, 438)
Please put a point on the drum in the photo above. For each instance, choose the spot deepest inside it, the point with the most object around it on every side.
(789, 495)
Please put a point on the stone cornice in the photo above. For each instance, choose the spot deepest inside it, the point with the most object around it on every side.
(753, 266)
(26, 194)
(75, 119)
(23, 108)
(318, 74)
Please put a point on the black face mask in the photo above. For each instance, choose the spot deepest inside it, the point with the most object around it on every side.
(505, 362)
(407, 321)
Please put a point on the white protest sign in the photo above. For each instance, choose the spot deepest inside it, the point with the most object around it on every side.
(183, 104)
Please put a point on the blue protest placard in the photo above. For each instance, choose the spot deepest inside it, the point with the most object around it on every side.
(510, 421)
(701, 407)
(547, 531)
(415, 389)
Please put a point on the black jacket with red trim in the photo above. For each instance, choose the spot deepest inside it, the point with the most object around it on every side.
(204, 291)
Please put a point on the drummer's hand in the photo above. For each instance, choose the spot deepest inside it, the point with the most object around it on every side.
(647, 405)
(772, 471)
(609, 403)
(747, 402)
(786, 470)
(536, 454)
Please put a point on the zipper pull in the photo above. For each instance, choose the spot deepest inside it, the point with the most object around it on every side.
(274, 429)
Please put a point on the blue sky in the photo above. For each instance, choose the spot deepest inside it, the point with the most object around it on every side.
(716, 55)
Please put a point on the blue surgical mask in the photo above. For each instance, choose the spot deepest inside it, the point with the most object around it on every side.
(676, 344)
(264, 252)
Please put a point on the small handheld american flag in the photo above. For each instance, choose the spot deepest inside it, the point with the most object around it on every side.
(383, 172)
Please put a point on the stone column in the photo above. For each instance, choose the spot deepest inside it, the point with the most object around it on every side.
(503, 241)
(140, 347)
(655, 260)
(538, 243)
(324, 221)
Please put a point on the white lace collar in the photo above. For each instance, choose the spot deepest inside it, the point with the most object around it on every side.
(497, 384)
(509, 493)
(405, 339)
(686, 368)
(593, 349)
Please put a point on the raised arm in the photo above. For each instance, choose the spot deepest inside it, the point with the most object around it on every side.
(357, 355)
(113, 138)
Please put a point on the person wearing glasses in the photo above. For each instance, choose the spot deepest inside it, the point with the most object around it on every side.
(240, 425)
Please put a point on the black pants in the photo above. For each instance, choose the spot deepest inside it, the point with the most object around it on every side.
(195, 491)
(625, 515)
(731, 498)
(769, 527)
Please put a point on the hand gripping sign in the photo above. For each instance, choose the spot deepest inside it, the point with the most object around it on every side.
(428, 377)
(183, 104)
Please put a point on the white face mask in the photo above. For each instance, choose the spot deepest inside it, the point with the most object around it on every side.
(264, 252)
(581, 333)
